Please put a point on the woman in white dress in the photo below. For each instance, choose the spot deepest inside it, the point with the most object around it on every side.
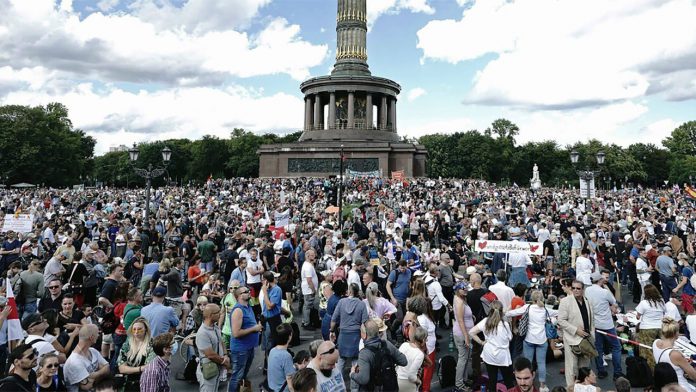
(664, 351)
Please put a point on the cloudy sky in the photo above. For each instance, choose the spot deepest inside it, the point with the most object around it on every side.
(622, 71)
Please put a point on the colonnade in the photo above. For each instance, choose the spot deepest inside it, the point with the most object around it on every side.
(385, 106)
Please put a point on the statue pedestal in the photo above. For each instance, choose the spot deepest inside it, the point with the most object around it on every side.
(536, 184)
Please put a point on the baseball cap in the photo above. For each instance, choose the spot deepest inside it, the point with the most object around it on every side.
(33, 318)
(159, 292)
(460, 285)
(596, 276)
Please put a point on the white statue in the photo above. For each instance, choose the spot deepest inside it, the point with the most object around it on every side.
(535, 181)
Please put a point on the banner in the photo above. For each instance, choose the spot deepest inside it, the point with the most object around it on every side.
(587, 188)
(277, 231)
(282, 219)
(398, 175)
(532, 248)
(19, 223)
(357, 174)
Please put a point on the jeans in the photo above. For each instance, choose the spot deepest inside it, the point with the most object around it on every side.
(529, 349)
(207, 266)
(307, 308)
(29, 308)
(241, 363)
(668, 283)
(341, 363)
(600, 341)
(118, 343)
(463, 359)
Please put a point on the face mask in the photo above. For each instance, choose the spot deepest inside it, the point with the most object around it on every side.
(175, 347)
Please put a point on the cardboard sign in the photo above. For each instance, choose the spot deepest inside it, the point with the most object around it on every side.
(531, 248)
(21, 223)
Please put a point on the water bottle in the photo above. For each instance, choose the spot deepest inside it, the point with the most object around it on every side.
(630, 351)
(483, 388)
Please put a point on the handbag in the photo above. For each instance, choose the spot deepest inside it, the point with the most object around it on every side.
(210, 370)
(584, 349)
(523, 324)
(551, 331)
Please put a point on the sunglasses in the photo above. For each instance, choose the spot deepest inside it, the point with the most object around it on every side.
(577, 288)
(52, 366)
(244, 292)
(330, 351)
(53, 287)
(37, 323)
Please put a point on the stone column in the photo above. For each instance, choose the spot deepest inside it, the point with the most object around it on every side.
(392, 114)
(332, 111)
(318, 112)
(383, 114)
(351, 110)
(308, 113)
(368, 112)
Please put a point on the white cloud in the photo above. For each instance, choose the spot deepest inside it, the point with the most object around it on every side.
(566, 54)
(655, 132)
(116, 116)
(107, 5)
(130, 47)
(377, 8)
(415, 93)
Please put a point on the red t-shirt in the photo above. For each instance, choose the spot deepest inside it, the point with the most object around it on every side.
(119, 307)
(516, 303)
(194, 271)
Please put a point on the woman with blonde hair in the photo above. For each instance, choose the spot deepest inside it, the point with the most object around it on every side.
(535, 341)
(414, 350)
(135, 353)
(650, 311)
(496, 347)
(663, 351)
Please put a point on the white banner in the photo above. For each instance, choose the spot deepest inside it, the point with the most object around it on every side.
(532, 248)
(587, 188)
(21, 223)
(282, 219)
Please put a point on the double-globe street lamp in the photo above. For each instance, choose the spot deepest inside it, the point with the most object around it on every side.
(587, 176)
(148, 174)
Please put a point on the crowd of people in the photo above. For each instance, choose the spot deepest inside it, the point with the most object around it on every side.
(97, 298)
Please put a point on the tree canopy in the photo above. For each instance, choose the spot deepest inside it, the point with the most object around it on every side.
(40, 145)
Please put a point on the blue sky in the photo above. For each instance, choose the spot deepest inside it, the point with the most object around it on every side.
(137, 70)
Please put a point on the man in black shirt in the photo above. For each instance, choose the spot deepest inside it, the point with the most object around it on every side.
(54, 297)
(106, 298)
(228, 260)
(473, 299)
(23, 377)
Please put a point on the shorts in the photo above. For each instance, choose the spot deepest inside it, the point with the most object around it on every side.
(107, 339)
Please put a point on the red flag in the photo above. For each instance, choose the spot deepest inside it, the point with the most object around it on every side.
(14, 327)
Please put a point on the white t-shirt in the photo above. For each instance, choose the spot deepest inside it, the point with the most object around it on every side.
(672, 311)
(328, 384)
(543, 235)
(691, 325)
(576, 240)
(308, 271)
(496, 351)
(353, 277)
(650, 315)
(415, 357)
(584, 267)
(77, 368)
(256, 266)
(536, 328)
(429, 326)
(504, 294)
(642, 265)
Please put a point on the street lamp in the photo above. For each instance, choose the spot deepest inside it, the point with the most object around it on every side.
(340, 192)
(587, 175)
(148, 174)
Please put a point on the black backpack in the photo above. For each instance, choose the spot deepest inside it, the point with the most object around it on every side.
(638, 372)
(447, 370)
(382, 369)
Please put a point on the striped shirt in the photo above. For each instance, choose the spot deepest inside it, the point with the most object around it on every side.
(155, 377)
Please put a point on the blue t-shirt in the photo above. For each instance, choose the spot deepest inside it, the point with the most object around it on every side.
(160, 318)
(280, 367)
(275, 295)
(248, 320)
(687, 272)
(7, 245)
(400, 285)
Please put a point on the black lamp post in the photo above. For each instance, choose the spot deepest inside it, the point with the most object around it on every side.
(148, 174)
(587, 175)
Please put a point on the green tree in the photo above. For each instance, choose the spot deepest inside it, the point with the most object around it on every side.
(682, 140)
(503, 129)
(209, 156)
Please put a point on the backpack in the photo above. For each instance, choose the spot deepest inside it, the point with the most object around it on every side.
(638, 372)
(128, 269)
(447, 369)
(486, 301)
(382, 369)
